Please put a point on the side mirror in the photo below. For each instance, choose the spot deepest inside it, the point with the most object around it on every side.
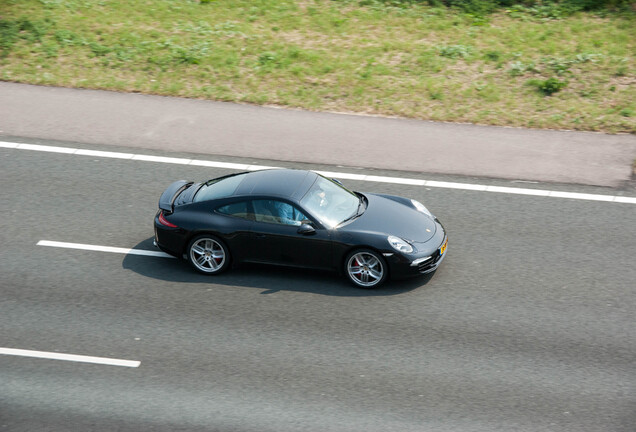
(306, 229)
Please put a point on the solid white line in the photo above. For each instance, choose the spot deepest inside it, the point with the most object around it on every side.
(214, 164)
(463, 186)
(580, 196)
(259, 167)
(626, 200)
(162, 159)
(395, 180)
(99, 248)
(339, 175)
(519, 191)
(70, 357)
(104, 154)
(345, 176)
(50, 149)
(4, 144)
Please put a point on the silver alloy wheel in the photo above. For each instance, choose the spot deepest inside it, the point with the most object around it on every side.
(365, 269)
(207, 255)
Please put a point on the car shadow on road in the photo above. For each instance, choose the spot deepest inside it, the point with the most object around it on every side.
(269, 279)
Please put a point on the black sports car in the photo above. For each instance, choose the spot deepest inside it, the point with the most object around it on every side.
(301, 219)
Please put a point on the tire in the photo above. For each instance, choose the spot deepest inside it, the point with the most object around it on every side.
(208, 254)
(365, 268)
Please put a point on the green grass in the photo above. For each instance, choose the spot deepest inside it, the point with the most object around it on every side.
(513, 68)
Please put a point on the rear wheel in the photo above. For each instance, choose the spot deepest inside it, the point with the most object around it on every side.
(365, 268)
(208, 254)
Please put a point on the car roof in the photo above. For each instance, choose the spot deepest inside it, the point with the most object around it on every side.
(286, 183)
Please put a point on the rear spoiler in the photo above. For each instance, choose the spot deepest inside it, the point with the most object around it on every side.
(166, 202)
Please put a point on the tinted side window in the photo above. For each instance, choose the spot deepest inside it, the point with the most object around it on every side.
(278, 212)
(238, 209)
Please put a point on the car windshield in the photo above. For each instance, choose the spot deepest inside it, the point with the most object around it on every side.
(330, 202)
(219, 188)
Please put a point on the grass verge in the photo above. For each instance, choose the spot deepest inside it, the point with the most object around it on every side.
(515, 68)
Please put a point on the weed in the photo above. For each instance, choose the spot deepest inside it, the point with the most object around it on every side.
(98, 49)
(621, 71)
(227, 29)
(494, 56)
(33, 31)
(436, 94)
(200, 28)
(562, 66)
(454, 51)
(559, 66)
(479, 86)
(551, 86)
(543, 11)
(267, 59)
(585, 58)
(477, 8)
(518, 68)
(123, 54)
(586, 93)
(68, 38)
(191, 55)
(547, 87)
(365, 74)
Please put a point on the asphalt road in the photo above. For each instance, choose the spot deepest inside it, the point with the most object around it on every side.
(528, 325)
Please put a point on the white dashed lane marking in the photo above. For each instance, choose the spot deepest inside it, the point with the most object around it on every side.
(70, 357)
(98, 248)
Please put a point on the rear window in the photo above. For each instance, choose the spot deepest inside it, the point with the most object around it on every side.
(219, 188)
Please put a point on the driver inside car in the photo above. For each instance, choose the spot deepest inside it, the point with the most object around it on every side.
(287, 214)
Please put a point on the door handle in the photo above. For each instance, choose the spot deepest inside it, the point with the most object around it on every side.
(260, 235)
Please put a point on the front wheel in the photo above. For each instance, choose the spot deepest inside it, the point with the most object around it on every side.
(365, 268)
(208, 254)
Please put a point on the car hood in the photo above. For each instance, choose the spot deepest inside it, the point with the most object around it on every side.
(387, 216)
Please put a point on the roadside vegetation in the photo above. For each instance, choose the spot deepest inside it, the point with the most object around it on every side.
(563, 65)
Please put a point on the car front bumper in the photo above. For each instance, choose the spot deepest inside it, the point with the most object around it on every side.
(404, 266)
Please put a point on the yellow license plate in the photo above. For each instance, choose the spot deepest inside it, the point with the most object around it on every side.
(443, 248)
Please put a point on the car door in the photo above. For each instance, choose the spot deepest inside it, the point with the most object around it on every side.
(234, 220)
(277, 237)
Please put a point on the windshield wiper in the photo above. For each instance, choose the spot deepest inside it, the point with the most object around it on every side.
(357, 213)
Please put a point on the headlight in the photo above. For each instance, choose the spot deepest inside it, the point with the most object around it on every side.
(399, 244)
(421, 208)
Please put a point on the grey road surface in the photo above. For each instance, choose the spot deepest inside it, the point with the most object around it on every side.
(173, 124)
(527, 326)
